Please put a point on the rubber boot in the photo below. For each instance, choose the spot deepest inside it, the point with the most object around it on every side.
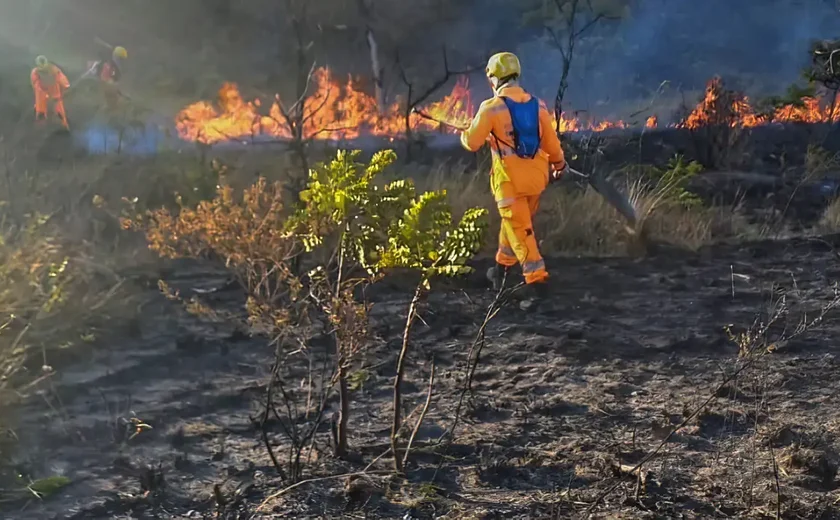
(496, 276)
(534, 295)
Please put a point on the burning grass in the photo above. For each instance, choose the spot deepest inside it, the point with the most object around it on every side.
(332, 111)
(335, 110)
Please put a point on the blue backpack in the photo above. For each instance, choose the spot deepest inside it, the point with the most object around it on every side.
(525, 118)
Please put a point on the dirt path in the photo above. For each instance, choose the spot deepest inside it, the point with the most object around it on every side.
(563, 397)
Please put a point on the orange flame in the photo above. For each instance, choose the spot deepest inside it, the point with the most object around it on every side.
(720, 106)
(332, 111)
(337, 111)
(809, 112)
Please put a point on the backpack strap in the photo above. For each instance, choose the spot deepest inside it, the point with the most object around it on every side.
(500, 142)
(539, 126)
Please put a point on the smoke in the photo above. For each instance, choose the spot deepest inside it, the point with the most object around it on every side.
(759, 47)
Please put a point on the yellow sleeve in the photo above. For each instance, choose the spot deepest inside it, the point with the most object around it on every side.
(474, 137)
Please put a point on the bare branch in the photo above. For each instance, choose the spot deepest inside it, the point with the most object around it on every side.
(756, 349)
(589, 25)
(305, 92)
(567, 48)
(443, 80)
(422, 414)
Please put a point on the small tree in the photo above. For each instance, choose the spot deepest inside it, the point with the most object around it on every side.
(417, 93)
(825, 70)
(366, 231)
(349, 232)
(567, 22)
(426, 240)
(337, 214)
(248, 236)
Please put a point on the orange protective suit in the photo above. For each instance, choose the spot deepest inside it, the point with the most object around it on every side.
(516, 182)
(49, 84)
(109, 73)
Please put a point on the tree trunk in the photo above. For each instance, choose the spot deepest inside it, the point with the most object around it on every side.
(375, 62)
(377, 70)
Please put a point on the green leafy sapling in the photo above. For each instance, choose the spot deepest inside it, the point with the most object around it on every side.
(374, 229)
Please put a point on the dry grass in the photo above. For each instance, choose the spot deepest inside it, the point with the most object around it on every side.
(830, 220)
(818, 161)
(574, 221)
(571, 221)
(61, 254)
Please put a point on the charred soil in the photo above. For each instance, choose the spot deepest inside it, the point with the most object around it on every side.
(566, 400)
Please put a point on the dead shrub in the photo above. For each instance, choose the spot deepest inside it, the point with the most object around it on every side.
(49, 288)
(830, 220)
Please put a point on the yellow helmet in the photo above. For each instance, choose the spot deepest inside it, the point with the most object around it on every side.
(120, 52)
(503, 65)
(41, 62)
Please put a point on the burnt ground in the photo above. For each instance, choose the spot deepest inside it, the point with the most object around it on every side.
(564, 398)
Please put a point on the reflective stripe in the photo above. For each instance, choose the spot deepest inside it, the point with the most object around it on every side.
(533, 266)
(503, 203)
(507, 251)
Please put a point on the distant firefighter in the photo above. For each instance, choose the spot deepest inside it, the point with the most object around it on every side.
(49, 84)
(107, 68)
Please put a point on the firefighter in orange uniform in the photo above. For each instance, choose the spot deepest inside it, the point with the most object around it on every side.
(49, 84)
(108, 70)
(526, 156)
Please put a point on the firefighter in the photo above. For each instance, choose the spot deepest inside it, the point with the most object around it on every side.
(49, 84)
(526, 156)
(108, 70)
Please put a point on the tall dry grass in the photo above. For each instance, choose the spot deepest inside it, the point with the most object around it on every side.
(819, 161)
(575, 221)
(830, 220)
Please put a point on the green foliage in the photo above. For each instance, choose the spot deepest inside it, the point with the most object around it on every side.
(356, 380)
(673, 181)
(425, 239)
(385, 227)
(338, 195)
(46, 487)
(795, 96)
(41, 489)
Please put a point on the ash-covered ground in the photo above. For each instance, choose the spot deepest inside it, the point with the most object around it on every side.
(566, 401)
